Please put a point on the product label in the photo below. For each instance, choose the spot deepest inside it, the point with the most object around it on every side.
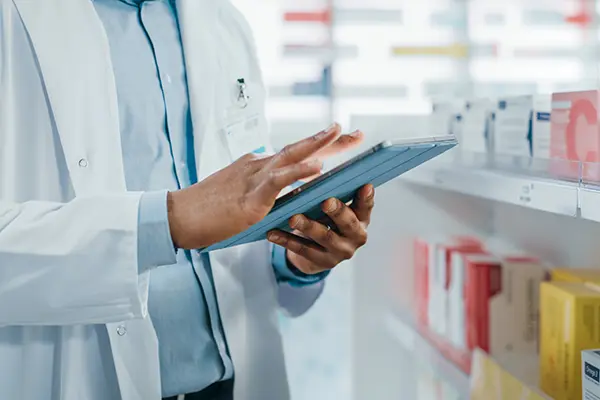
(592, 373)
(474, 126)
(513, 126)
(574, 133)
(543, 116)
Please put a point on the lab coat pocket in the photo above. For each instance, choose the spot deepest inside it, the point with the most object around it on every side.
(243, 125)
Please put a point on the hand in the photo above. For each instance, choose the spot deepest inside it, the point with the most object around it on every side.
(240, 195)
(316, 247)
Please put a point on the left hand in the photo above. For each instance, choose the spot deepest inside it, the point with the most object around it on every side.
(314, 247)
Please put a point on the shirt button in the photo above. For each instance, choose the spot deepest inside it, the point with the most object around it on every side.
(83, 163)
(168, 78)
(121, 330)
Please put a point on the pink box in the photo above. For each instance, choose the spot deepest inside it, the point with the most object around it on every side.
(575, 135)
(426, 266)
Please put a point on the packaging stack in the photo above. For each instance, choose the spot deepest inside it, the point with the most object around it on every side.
(561, 128)
(466, 298)
(570, 324)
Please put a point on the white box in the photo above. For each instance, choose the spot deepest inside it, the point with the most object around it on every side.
(441, 278)
(476, 125)
(590, 368)
(444, 117)
(456, 317)
(522, 126)
(512, 126)
(437, 290)
(540, 135)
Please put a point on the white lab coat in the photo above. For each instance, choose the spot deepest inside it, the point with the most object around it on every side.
(68, 228)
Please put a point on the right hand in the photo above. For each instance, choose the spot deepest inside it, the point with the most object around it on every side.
(242, 194)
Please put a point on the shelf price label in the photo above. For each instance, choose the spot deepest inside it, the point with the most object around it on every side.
(525, 196)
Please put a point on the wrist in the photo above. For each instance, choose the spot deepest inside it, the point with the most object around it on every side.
(174, 221)
(292, 264)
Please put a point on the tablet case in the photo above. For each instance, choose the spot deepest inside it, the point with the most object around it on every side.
(391, 161)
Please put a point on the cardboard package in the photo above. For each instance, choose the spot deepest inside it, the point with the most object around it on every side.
(570, 323)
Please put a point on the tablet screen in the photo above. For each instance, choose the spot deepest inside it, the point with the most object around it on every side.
(289, 196)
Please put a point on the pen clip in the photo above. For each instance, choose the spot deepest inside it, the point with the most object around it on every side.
(243, 97)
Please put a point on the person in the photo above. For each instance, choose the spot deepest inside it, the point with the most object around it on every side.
(131, 134)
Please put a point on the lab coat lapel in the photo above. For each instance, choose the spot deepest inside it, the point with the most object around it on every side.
(74, 58)
(200, 37)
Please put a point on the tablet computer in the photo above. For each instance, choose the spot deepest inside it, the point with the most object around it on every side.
(376, 166)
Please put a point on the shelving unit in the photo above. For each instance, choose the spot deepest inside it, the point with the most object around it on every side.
(426, 353)
(334, 59)
(554, 196)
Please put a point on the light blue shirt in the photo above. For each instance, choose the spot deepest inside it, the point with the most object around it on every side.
(158, 152)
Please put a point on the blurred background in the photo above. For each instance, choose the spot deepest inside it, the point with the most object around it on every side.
(381, 66)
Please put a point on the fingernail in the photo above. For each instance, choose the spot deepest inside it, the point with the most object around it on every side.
(328, 131)
(296, 222)
(370, 192)
(273, 237)
(332, 205)
(356, 134)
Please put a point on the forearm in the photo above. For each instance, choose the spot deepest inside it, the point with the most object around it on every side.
(71, 263)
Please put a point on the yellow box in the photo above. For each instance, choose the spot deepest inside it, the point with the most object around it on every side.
(569, 324)
(576, 275)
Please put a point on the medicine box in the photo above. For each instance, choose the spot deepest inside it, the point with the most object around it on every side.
(425, 259)
(441, 279)
(444, 117)
(476, 126)
(576, 275)
(502, 304)
(513, 126)
(570, 323)
(590, 366)
(540, 135)
(574, 135)
(456, 304)
(522, 126)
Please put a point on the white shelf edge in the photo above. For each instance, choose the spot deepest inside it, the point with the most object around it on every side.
(531, 192)
(413, 342)
(589, 203)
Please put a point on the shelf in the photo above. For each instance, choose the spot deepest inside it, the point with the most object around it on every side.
(346, 16)
(340, 91)
(548, 195)
(409, 337)
(324, 53)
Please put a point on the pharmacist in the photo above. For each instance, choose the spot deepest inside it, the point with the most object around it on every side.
(113, 161)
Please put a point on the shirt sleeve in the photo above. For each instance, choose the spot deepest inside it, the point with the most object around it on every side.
(155, 245)
(287, 273)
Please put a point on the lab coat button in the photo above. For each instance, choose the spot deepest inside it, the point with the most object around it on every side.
(121, 330)
(83, 163)
(168, 78)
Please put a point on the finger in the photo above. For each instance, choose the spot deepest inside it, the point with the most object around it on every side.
(305, 248)
(278, 179)
(363, 203)
(324, 236)
(306, 148)
(254, 162)
(342, 144)
(346, 221)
